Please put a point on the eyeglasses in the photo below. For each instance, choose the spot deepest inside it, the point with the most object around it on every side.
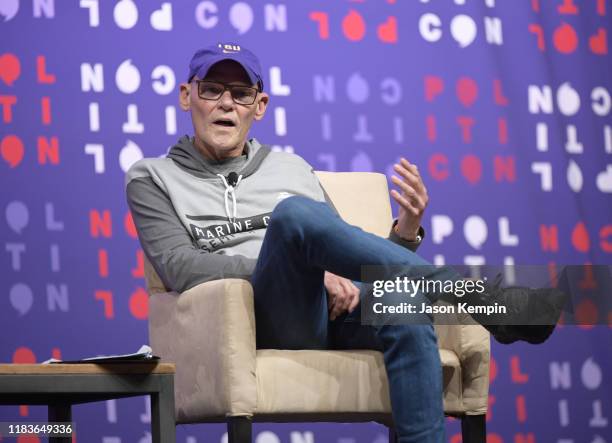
(242, 95)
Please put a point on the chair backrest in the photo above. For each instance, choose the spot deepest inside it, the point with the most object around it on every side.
(361, 199)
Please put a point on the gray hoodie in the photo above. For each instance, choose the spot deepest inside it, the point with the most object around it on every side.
(194, 226)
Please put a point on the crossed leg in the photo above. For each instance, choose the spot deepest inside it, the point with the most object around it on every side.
(305, 238)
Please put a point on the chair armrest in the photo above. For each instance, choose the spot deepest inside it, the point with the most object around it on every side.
(471, 343)
(209, 332)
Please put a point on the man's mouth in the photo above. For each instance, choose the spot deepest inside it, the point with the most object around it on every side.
(224, 122)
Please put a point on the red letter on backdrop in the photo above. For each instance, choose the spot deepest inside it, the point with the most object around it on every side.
(549, 238)
(604, 236)
(504, 167)
(100, 225)
(107, 299)
(48, 150)
(41, 71)
(323, 21)
(7, 101)
(434, 86)
(515, 371)
(438, 167)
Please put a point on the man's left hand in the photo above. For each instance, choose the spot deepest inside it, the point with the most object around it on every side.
(342, 295)
(412, 200)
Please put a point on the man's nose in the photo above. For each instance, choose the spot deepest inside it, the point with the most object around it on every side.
(226, 101)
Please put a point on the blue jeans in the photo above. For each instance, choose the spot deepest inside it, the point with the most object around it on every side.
(303, 240)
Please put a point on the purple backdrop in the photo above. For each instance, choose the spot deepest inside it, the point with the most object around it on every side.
(504, 104)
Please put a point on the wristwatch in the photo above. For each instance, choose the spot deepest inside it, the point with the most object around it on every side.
(417, 239)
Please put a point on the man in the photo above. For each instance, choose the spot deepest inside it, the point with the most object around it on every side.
(220, 206)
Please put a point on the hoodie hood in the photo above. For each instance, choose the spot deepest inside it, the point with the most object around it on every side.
(187, 157)
(230, 171)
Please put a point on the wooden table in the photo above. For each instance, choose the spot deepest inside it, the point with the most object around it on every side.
(59, 386)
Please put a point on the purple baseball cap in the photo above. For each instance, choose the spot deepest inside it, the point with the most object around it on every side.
(204, 58)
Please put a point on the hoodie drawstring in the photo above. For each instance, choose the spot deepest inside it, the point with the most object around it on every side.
(229, 190)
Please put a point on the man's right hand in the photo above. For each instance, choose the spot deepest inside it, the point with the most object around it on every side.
(342, 295)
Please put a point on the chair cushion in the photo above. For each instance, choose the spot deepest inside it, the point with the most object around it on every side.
(298, 382)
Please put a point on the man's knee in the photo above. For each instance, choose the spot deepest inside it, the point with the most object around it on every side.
(294, 210)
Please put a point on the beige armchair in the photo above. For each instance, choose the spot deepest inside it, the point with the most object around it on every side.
(209, 332)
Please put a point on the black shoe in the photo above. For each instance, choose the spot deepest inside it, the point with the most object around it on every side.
(531, 314)
(507, 334)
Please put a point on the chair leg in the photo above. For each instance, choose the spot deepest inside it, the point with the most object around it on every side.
(239, 429)
(392, 435)
(59, 412)
(474, 428)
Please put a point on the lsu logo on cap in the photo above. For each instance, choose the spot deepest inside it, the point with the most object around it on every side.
(228, 49)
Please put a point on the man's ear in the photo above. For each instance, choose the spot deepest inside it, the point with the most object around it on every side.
(262, 104)
(184, 96)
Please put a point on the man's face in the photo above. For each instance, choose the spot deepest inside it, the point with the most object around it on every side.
(221, 126)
